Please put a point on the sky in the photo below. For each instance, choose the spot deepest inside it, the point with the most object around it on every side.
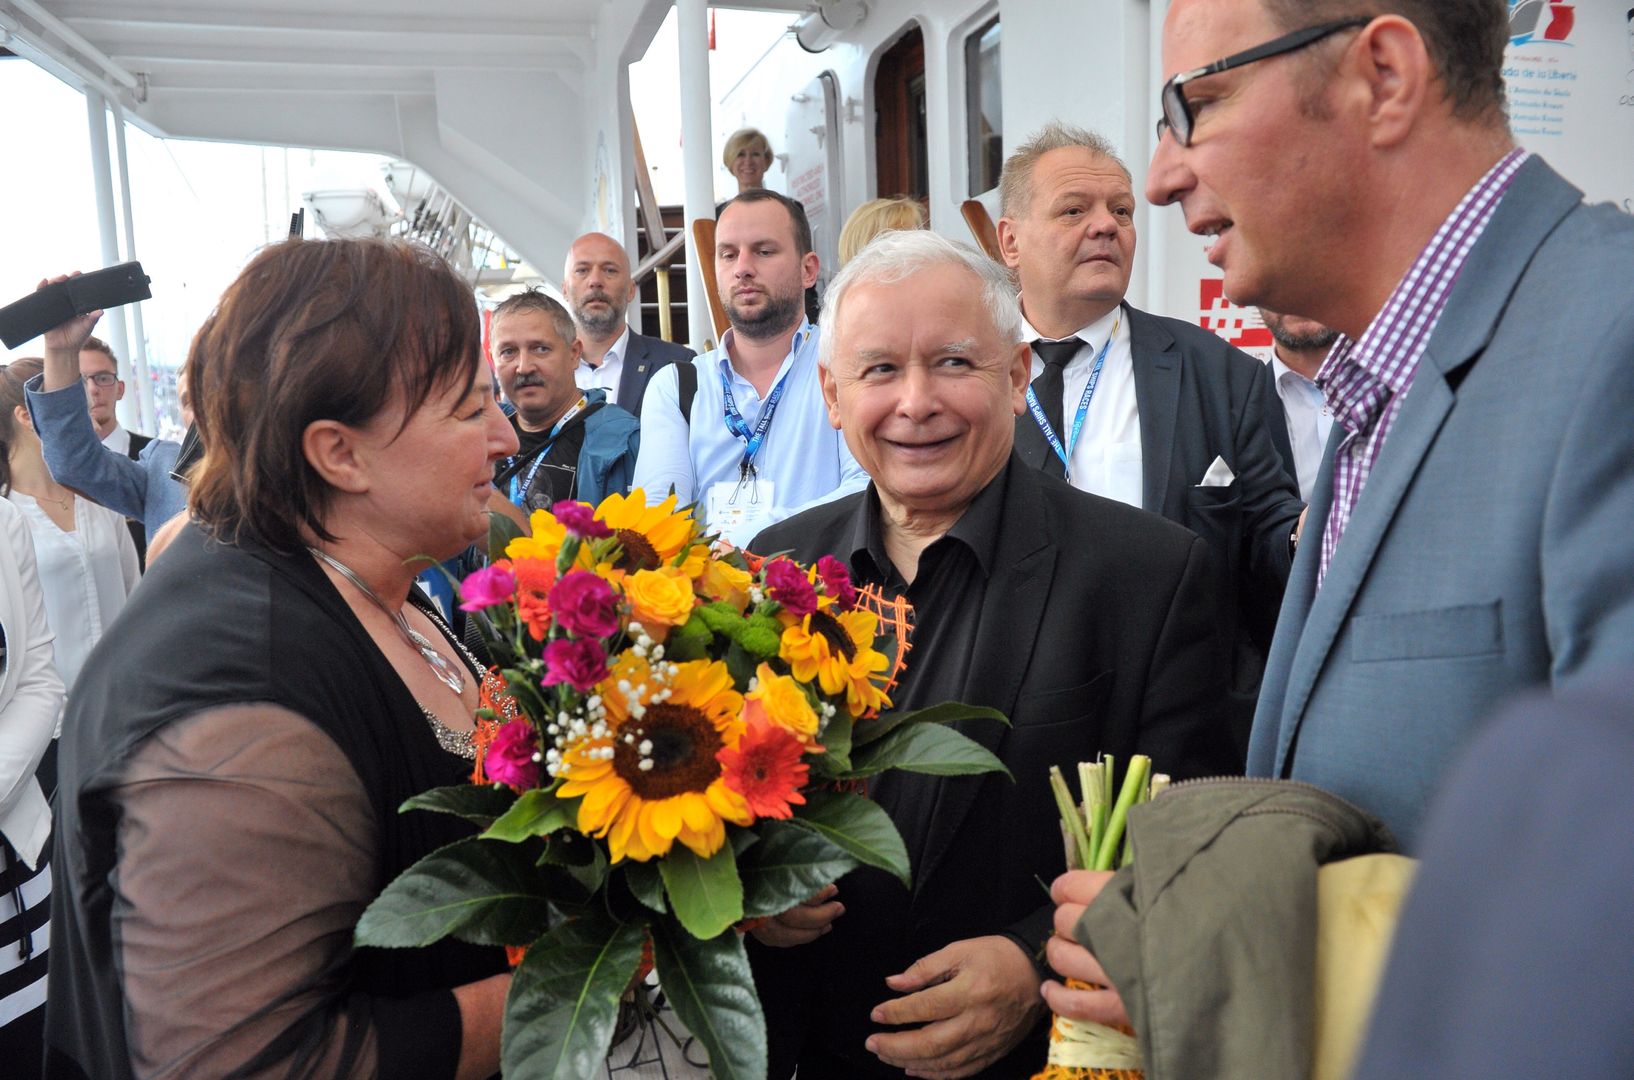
(201, 209)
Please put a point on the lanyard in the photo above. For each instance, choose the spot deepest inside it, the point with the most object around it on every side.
(519, 491)
(739, 428)
(1065, 452)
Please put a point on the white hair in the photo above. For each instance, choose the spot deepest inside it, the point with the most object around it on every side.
(893, 257)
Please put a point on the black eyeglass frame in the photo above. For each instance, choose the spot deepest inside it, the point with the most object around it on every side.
(1177, 110)
(103, 379)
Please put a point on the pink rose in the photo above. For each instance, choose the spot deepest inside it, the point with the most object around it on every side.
(580, 663)
(510, 756)
(837, 582)
(580, 520)
(585, 604)
(488, 587)
(789, 586)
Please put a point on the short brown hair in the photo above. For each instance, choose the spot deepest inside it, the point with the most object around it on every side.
(1016, 181)
(797, 214)
(315, 330)
(542, 302)
(1465, 40)
(96, 344)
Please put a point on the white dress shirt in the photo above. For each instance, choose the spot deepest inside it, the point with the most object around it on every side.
(806, 460)
(118, 440)
(1106, 461)
(85, 575)
(1308, 422)
(606, 375)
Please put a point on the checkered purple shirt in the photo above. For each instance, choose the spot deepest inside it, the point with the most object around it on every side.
(1366, 380)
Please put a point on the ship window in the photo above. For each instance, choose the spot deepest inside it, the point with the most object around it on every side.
(984, 108)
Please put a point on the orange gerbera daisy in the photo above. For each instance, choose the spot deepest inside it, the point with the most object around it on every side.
(654, 779)
(838, 651)
(765, 768)
(534, 578)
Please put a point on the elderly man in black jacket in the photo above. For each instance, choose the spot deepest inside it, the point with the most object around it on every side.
(1089, 623)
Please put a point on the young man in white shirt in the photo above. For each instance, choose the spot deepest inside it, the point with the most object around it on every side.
(1300, 346)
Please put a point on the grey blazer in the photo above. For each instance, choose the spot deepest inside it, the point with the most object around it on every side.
(1493, 547)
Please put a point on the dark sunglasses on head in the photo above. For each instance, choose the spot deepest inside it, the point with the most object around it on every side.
(1177, 110)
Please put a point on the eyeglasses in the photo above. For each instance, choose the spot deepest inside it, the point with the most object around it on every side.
(1177, 110)
(103, 379)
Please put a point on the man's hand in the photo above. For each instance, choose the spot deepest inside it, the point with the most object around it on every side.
(803, 923)
(1072, 893)
(62, 343)
(976, 999)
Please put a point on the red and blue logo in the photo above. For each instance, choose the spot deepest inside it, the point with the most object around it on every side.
(1540, 20)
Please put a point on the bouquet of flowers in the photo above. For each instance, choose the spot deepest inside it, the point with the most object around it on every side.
(672, 746)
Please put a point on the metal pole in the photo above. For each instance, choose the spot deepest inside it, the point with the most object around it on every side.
(145, 419)
(692, 33)
(96, 115)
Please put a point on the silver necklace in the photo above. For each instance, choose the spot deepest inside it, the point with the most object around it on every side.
(440, 666)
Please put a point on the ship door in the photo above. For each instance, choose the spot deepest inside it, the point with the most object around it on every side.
(813, 141)
(900, 136)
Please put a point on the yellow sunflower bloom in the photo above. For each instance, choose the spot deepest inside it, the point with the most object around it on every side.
(661, 782)
(545, 543)
(838, 651)
(650, 536)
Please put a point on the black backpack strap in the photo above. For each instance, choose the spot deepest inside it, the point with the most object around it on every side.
(686, 379)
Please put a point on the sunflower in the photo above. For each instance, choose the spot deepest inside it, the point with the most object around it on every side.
(648, 536)
(837, 649)
(544, 544)
(654, 779)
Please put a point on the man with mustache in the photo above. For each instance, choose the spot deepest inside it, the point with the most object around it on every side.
(575, 444)
(597, 286)
(752, 444)
(1153, 412)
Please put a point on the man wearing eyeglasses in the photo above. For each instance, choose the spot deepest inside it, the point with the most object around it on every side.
(104, 389)
(1469, 533)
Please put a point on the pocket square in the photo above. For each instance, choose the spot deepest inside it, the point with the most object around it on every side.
(1219, 474)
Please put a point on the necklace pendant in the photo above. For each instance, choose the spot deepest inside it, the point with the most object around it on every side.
(440, 667)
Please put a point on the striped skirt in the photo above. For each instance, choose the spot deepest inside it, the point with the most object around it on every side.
(25, 911)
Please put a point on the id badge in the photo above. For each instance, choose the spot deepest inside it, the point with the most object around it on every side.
(738, 510)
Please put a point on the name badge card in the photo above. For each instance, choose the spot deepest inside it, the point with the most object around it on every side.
(739, 510)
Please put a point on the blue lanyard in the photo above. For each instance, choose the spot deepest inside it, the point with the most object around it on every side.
(519, 491)
(739, 428)
(1065, 452)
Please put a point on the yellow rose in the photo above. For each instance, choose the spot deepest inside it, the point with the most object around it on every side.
(723, 581)
(783, 702)
(659, 599)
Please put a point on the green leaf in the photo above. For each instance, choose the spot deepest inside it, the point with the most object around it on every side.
(741, 664)
(563, 1002)
(788, 867)
(536, 813)
(706, 894)
(711, 988)
(646, 885)
(836, 738)
(945, 713)
(856, 826)
(501, 531)
(569, 849)
(590, 875)
(483, 893)
(481, 804)
(926, 748)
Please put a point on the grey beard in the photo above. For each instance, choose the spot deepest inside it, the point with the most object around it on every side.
(781, 314)
(598, 325)
(1319, 339)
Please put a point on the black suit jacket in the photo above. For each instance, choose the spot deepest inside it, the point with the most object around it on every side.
(643, 356)
(138, 534)
(1199, 399)
(1095, 635)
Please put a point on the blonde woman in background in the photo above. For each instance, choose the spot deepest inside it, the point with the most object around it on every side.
(748, 157)
(898, 213)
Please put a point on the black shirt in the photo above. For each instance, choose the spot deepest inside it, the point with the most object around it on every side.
(557, 476)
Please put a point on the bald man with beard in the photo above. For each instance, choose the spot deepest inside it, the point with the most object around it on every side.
(597, 286)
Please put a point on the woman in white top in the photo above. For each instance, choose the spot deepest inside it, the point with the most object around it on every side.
(87, 562)
(30, 703)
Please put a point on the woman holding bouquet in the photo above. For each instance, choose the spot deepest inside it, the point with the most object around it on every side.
(232, 766)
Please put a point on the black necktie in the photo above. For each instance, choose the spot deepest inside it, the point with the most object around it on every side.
(1050, 387)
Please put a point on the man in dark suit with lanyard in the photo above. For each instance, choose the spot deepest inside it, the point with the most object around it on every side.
(596, 283)
(1153, 412)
